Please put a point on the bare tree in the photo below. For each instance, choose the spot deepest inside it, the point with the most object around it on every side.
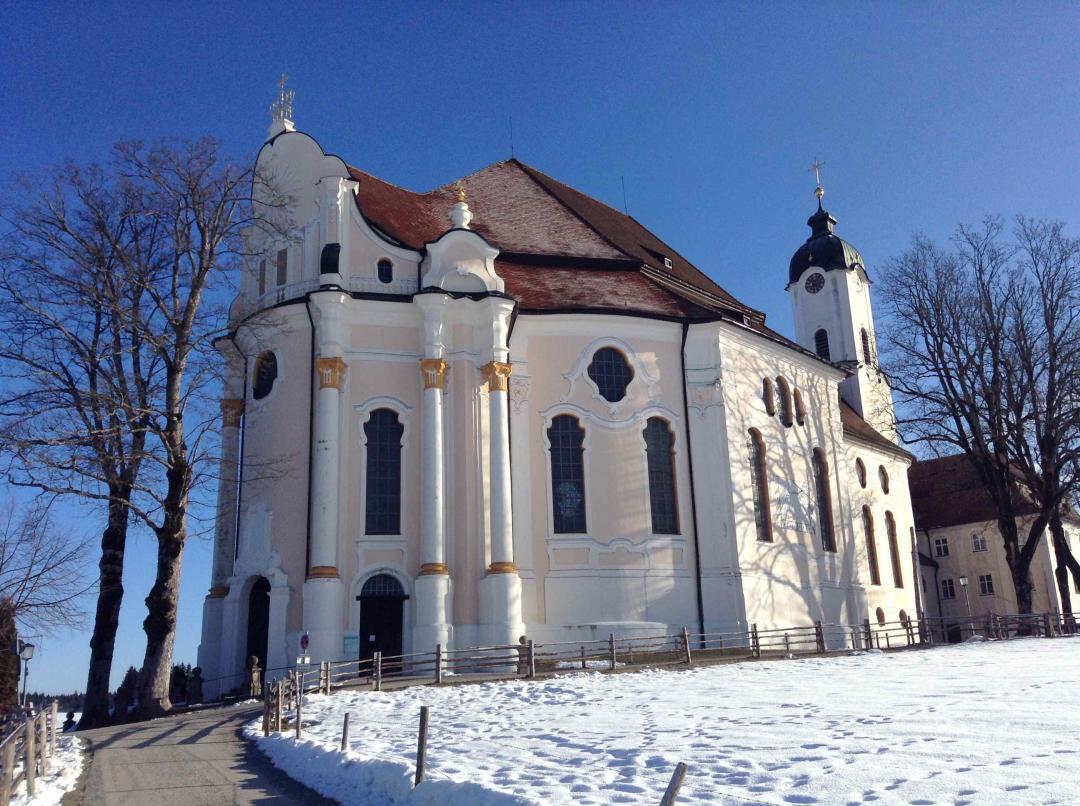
(42, 572)
(981, 350)
(77, 377)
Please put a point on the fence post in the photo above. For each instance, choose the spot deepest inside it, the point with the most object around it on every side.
(267, 694)
(299, 701)
(438, 664)
(819, 636)
(52, 735)
(421, 746)
(41, 725)
(869, 635)
(345, 733)
(532, 659)
(787, 645)
(674, 784)
(377, 679)
(686, 647)
(755, 642)
(9, 770)
(1047, 630)
(29, 757)
(279, 717)
(583, 657)
(611, 651)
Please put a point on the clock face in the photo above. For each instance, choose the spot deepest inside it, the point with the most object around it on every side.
(814, 283)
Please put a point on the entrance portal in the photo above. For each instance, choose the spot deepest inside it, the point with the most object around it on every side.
(381, 609)
(258, 622)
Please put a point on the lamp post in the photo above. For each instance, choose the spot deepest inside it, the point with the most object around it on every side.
(967, 602)
(26, 652)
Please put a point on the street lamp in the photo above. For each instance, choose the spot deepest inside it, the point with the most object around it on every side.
(967, 602)
(26, 652)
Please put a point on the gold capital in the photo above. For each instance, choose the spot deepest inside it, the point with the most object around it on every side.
(434, 371)
(331, 372)
(430, 569)
(502, 568)
(218, 592)
(496, 374)
(231, 410)
(322, 572)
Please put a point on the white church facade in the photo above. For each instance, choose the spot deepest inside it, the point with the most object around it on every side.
(502, 408)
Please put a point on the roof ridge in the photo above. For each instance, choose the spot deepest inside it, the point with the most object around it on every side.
(529, 171)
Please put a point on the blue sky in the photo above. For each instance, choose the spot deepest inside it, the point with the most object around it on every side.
(925, 114)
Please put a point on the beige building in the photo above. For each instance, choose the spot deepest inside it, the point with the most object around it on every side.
(959, 539)
(502, 407)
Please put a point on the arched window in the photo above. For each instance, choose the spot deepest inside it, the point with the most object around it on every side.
(382, 510)
(866, 354)
(759, 483)
(824, 501)
(385, 270)
(282, 266)
(860, 472)
(768, 396)
(894, 550)
(265, 375)
(821, 344)
(262, 277)
(567, 439)
(611, 373)
(880, 615)
(871, 546)
(660, 453)
(883, 477)
(800, 408)
(382, 586)
(783, 398)
(904, 619)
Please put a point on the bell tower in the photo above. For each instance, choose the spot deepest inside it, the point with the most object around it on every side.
(830, 295)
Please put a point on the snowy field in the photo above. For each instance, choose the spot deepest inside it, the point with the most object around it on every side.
(64, 768)
(984, 723)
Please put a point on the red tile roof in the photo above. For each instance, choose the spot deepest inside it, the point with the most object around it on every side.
(857, 427)
(563, 241)
(949, 491)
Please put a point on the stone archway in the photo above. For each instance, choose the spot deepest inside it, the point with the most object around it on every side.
(258, 622)
(382, 601)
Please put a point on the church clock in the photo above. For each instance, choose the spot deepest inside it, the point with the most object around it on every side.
(814, 283)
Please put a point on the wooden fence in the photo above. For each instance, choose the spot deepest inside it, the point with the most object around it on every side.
(25, 753)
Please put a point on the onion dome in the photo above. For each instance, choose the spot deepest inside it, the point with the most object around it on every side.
(824, 248)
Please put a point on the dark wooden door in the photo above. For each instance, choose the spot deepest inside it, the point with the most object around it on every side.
(258, 623)
(380, 627)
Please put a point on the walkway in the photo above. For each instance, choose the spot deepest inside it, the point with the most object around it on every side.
(196, 759)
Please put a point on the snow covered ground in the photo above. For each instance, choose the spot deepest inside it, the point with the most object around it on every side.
(64, 768)
(986, 723)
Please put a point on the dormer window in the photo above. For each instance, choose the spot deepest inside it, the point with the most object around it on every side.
(385, 270)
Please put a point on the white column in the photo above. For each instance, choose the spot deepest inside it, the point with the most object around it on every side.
(432, 585)
(501, 587)
(323, 588)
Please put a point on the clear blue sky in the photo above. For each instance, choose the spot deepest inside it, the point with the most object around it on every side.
(926, 115)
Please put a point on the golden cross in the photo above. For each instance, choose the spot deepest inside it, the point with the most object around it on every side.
(816, 168)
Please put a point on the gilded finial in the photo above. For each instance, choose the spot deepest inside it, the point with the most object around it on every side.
(460, 191)
(281, 108)
(816, 167)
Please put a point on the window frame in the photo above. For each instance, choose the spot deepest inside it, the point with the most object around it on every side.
(768, 395)
(655, 465)
(800, 407)
(609, 349)
(978, 543)
(783, 396)
(281, 276)
(759, 484)
(941, 546)
(986, 584)
(860, 472)
(867, 350)
(883, 479)
(384, 263)
(255, 380)
(871, 546)
(367, 481)
(894, 550)
(821, 340)
(823, 499)
(584, 469)
(948, 589)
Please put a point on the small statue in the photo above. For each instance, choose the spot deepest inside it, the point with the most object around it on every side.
(254, 678)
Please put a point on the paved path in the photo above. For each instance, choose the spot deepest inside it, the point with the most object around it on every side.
(196, 759)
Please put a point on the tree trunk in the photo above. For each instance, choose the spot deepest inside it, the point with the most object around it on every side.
(161, 603)
(1065, 562)
(107, 617)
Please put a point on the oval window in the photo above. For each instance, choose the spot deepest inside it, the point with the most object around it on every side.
(611, 373)
(265, 375)
(386, 271)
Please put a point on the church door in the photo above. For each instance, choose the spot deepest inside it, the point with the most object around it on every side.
(381, 614)
(258, 622)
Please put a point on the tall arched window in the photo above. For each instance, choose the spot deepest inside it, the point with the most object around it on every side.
(265, 375)
(880, 614)
(821, 344)
(611, 373)
(871, 546)
(759, 483)
(783, 394)
(883, 477)
(660, 453)
(866, 354)
(894, 550)
(385, 271)
(824, 501)
(382, 509)
(567, 439)
(768, 396)
(800, 408)
(860, 472)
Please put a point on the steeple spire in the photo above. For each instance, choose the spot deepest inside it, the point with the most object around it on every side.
(819, 191)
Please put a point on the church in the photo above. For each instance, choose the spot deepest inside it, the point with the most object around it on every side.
(502, 408)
